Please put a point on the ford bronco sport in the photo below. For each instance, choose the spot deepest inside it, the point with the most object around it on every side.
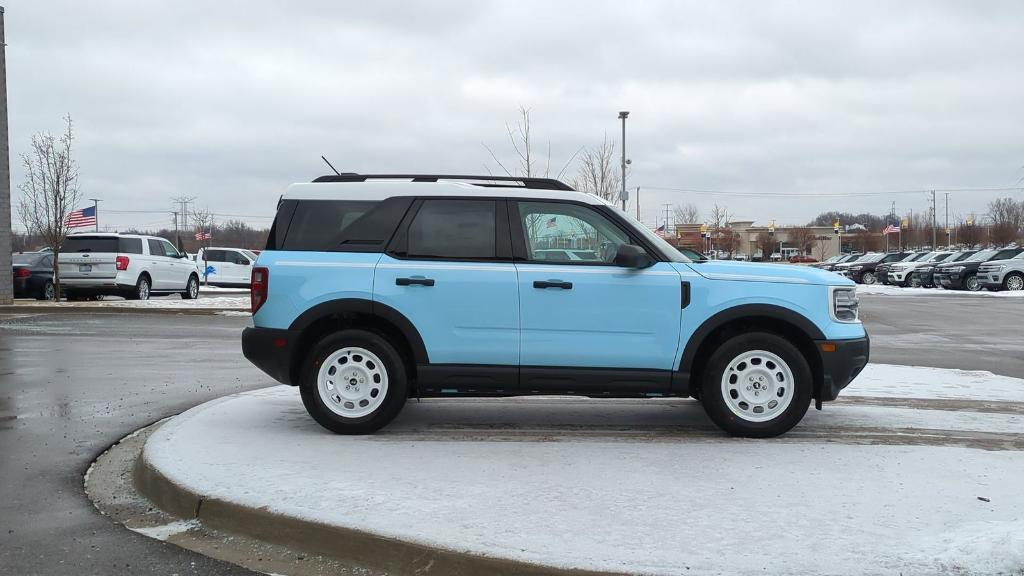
(375, 288)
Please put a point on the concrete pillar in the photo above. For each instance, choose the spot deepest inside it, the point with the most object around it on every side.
(6, 281)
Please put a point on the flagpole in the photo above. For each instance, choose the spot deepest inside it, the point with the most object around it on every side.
(96, 211)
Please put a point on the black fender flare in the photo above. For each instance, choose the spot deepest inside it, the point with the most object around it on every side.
(744, 311)
(369, 308)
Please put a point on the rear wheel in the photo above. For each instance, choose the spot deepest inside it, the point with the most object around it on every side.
(1014, 281)
(142, 288)
(354, 383)
(192, 288)
(756, 385)
(47, 292)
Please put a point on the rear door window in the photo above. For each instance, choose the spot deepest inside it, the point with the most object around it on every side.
(453, 229)
(155, 249)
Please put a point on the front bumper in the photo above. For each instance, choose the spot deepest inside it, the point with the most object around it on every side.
(840, 367)
(271, 350)
(955, 281)
(991, 278)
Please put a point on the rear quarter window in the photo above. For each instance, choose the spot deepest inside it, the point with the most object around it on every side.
(337, 225)
(129, 245)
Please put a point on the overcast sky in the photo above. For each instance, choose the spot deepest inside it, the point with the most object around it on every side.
(232, 101)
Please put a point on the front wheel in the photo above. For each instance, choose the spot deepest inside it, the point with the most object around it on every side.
(191, 289)
(868, 278)
(354, 383)
(1014, 282)
(756, 385)
(972, 283)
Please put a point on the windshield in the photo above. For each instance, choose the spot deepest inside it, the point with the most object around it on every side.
(912, 257)
(1018, 256)
(951, 257)
(667, 249)
(872, 258)
(250, 254)
(981, 256)
(960, 255)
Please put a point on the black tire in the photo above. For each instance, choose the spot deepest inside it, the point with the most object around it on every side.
(191, 288)
(142, 291)
(714, 400)
(394, 397)
(868, 278)
(46, 293)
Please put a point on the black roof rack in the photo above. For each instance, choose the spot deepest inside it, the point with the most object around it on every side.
(486, 181)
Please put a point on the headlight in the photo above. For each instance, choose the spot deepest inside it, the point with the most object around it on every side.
(856, 267)
(957, 269)
(1001, 267)
(844, 307)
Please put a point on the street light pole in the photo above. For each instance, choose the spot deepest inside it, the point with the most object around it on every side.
(622, 116)
(96, 211)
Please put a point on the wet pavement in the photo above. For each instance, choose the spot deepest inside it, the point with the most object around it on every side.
(73, 384)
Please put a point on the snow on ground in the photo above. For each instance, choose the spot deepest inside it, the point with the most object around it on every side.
(887, 290)
(893, 381)
(444, 474)
(215, 290)
(205, 302)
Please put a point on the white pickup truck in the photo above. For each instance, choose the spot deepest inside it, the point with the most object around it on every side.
(128, 265)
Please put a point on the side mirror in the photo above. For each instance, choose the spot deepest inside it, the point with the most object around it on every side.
(629, 256)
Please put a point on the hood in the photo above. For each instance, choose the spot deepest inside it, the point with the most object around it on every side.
(1003, 262)
(765, 272)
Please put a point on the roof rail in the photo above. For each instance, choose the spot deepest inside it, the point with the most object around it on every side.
(486, 181)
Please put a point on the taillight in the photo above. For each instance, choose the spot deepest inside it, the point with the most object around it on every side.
(121, 262)
(258, 288)
(22, 272)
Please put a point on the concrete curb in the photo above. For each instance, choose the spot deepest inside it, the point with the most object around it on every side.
(378, 553)
(55, 309)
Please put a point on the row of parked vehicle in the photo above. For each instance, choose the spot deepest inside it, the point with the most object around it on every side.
(972, 269)
(129, 265)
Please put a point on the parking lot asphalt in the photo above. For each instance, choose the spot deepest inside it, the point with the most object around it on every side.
(73, 384)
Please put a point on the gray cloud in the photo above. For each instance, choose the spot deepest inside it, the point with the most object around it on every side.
(230, 102)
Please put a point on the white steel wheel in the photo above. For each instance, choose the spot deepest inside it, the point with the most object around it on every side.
(352, 382)
(1014, 282)
(757, 386)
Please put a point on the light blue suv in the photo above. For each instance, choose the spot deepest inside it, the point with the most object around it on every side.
(374, 288)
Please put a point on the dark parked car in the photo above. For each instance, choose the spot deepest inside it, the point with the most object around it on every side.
(882, 270)
(864, 271)
(964, 275)
(802, 259)
(33, 275)
(924, 275)
(848, 258)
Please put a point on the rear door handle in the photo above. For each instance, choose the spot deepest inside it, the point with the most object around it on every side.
(552, 284)
(414, 281)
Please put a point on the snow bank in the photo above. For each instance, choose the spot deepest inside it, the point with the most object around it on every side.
(893, 381)
(607, 485)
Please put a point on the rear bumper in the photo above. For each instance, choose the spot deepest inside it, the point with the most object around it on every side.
(839, 368)
(270, 350)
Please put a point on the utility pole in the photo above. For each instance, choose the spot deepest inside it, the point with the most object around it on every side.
(934, 239)
(622, 116)
(947, 219)
(96, 211)
(6, 268)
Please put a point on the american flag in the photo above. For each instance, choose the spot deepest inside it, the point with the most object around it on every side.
(660, 230)
(81, 217)
(203, 235)
(551, 223)
(890, 229)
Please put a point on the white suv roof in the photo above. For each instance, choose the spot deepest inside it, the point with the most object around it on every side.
(380, 189)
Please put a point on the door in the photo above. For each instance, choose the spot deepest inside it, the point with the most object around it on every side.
(238, 267)
(211, 265)
(159, 265)
(583, 311)
(180, 267)
(449, 271)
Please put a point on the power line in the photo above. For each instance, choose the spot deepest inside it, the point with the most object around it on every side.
(829, 194)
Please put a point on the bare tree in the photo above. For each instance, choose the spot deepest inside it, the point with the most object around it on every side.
(50, 191)
(802, 237)
(1007, 216)
(597, 173)
(728, 241)
(766, 244)
(823, 241)
(686, 213)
